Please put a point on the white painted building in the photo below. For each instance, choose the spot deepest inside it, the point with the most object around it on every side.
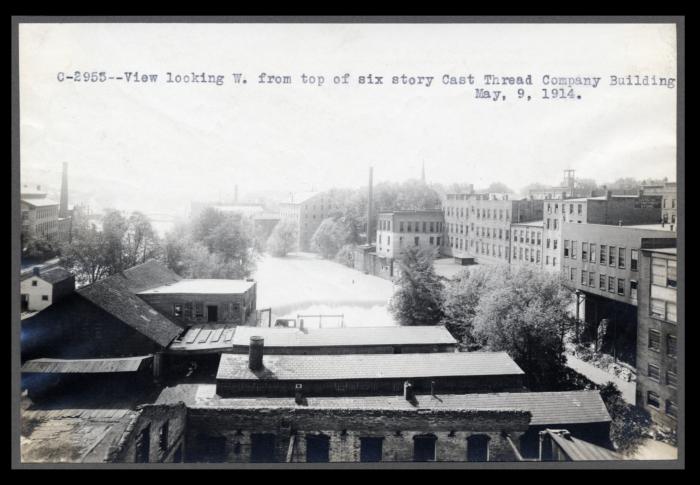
(41, 289)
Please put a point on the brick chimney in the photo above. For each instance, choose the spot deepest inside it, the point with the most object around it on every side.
(36, 270)
(63, 206)
(298, 393)
(255, 353)
(407, 390)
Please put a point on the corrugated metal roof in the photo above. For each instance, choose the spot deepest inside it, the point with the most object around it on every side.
(546, 408)
(579, 450)
(369, 366)
(85, 366)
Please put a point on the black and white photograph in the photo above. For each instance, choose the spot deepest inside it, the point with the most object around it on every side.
(348, 242)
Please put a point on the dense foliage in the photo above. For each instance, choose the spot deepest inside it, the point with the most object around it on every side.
(630, 424)
(283, 239)
(418, 297)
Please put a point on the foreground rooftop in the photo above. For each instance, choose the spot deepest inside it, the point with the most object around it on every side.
(368, 366)
(546, 408)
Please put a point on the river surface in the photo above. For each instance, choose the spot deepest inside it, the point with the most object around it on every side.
(305, 284)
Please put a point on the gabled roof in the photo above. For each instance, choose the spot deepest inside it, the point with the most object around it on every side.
(39, 202)
(369, 366)
(579, 450)
(85, 366)
(52, 276)
(116, 295)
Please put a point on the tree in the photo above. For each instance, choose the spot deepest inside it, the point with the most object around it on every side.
(418, 298)
(114, 227)
(329, 237)
(625, 183)
(585, 187)
(87, 256)
(630, 424)
(141, 241)
(39, 248)
(522, 311)
(175, 245)
(283, 239)
(498, 188)
(461, 299)
(346, 255)
(232, 240)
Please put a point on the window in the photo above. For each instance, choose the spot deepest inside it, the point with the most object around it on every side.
(400, 226)
(431, 240)
(416, 240)
(317, 448)
(671, 345)
(34, 282)
(634, 259)
(163, 436)
(584, 251)
(620, 286)
(371, 449)
(591, 279)
(478, 448)
(580, 209)
(262, 448)
(548, 241)
(603, 254)
(611, 284)
(555, 224)
(424, 447)
(654, 340)
(653, 372)
(633, 290)
(652, 399)
(583, 278)
(425, 226)
(591, 257)
(566, 248)
(573, 274)
(409, 227)
(671, 408)
(554, 261)
(45, 297)
(611, 254)
(177, 310)
(199, 309)
(188, 310)
(573, 249)
(671, 379)
(554, 243)
(143, 445)
(621, 257)
(432, 227)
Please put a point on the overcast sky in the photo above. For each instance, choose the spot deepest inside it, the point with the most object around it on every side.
(162, 144)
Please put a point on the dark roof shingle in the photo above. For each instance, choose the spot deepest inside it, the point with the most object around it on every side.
(116, 295)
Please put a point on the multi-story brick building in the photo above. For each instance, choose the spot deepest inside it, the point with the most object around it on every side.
(399, 230)
(608, 209)
(527, 244)
(602, 263)
(478, 226)
(669, 203)
(307, 211)
(657, 338)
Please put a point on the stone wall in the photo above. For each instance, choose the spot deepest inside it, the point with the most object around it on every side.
(233, 430)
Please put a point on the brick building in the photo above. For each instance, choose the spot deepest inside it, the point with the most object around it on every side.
(608, 210)
(669, 202)
(307, 210)
(399, 230)
(602, 264)
(478, 226)
(657, 338)
(527, 243)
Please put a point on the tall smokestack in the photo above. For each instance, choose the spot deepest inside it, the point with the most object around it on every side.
(255, 353)
(63, 207)
(369, 208)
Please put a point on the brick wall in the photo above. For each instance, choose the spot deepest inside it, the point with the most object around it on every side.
(164, 303)
(155, 416)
